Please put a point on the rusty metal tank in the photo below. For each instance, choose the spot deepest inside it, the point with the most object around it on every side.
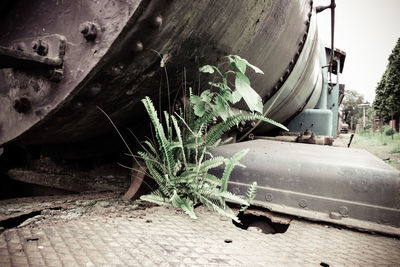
(61, 59)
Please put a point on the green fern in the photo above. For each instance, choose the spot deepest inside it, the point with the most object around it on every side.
(177, 159)
(251, 193)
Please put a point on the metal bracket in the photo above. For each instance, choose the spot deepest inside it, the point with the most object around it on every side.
(46, 52)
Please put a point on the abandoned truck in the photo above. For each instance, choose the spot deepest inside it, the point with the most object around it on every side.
(60, 60)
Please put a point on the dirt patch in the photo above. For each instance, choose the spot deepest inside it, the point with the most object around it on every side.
(36, 211)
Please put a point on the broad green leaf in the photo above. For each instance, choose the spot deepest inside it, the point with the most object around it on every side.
(256, 69)
(227, 95)
(250, 96)
(240, 64)
(199, 106)
(207, 69)
(236, 96)
(206, 96)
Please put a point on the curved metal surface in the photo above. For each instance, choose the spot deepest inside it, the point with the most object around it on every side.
(302, 89)
(333, 184)
(29, 21)
(120, 66)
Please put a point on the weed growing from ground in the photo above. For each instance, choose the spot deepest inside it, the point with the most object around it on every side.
(178, 159)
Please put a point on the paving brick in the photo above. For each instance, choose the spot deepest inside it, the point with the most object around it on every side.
(173, 239)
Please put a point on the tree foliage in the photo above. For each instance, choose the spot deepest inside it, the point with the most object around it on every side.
(387, 94)
(352, 113)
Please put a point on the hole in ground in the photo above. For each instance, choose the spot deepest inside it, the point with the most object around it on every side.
(15, 221)
(260, 224)
(324, 264)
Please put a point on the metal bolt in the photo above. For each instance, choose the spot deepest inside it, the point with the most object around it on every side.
(89, 30)
(269, 197)
(138, 47)
(252, 123)
(40, 47)
(343, 210)
(251, 136)
(22, 105)
(21, 46)
(303, 203)
(157, 22)
(243, 123)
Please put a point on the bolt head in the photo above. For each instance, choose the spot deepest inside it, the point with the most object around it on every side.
(138, 47)
(84, 28)
(303, 203)
(269, 197)
(157, 22)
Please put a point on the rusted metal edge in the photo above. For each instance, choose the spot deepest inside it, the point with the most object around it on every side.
(12, 58)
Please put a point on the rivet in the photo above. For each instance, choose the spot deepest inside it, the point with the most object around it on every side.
(89, 30)
(251, 136)
(301, 43)
(241, 129)
(138, 47)
(281, 79)
(22, 105)
(243, 123)
(40, 47)
(344, 210)
(292, 62)
(303, 203)
(253, 124)
(157, 22)
(21, 46)
(269, 197)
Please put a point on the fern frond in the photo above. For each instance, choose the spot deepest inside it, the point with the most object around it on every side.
(156, 199)
(230, 164)
(251, 193)
(160, 135)
(232, 197)
(168, 125)
(212, 179)
(211, 163)
(151, 147)
(185, 204)
(220, 129)
(179, 137)
(214, 205)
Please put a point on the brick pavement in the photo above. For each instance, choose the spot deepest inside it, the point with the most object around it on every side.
(167, 237)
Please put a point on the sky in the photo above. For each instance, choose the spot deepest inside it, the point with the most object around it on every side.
(367, 31)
